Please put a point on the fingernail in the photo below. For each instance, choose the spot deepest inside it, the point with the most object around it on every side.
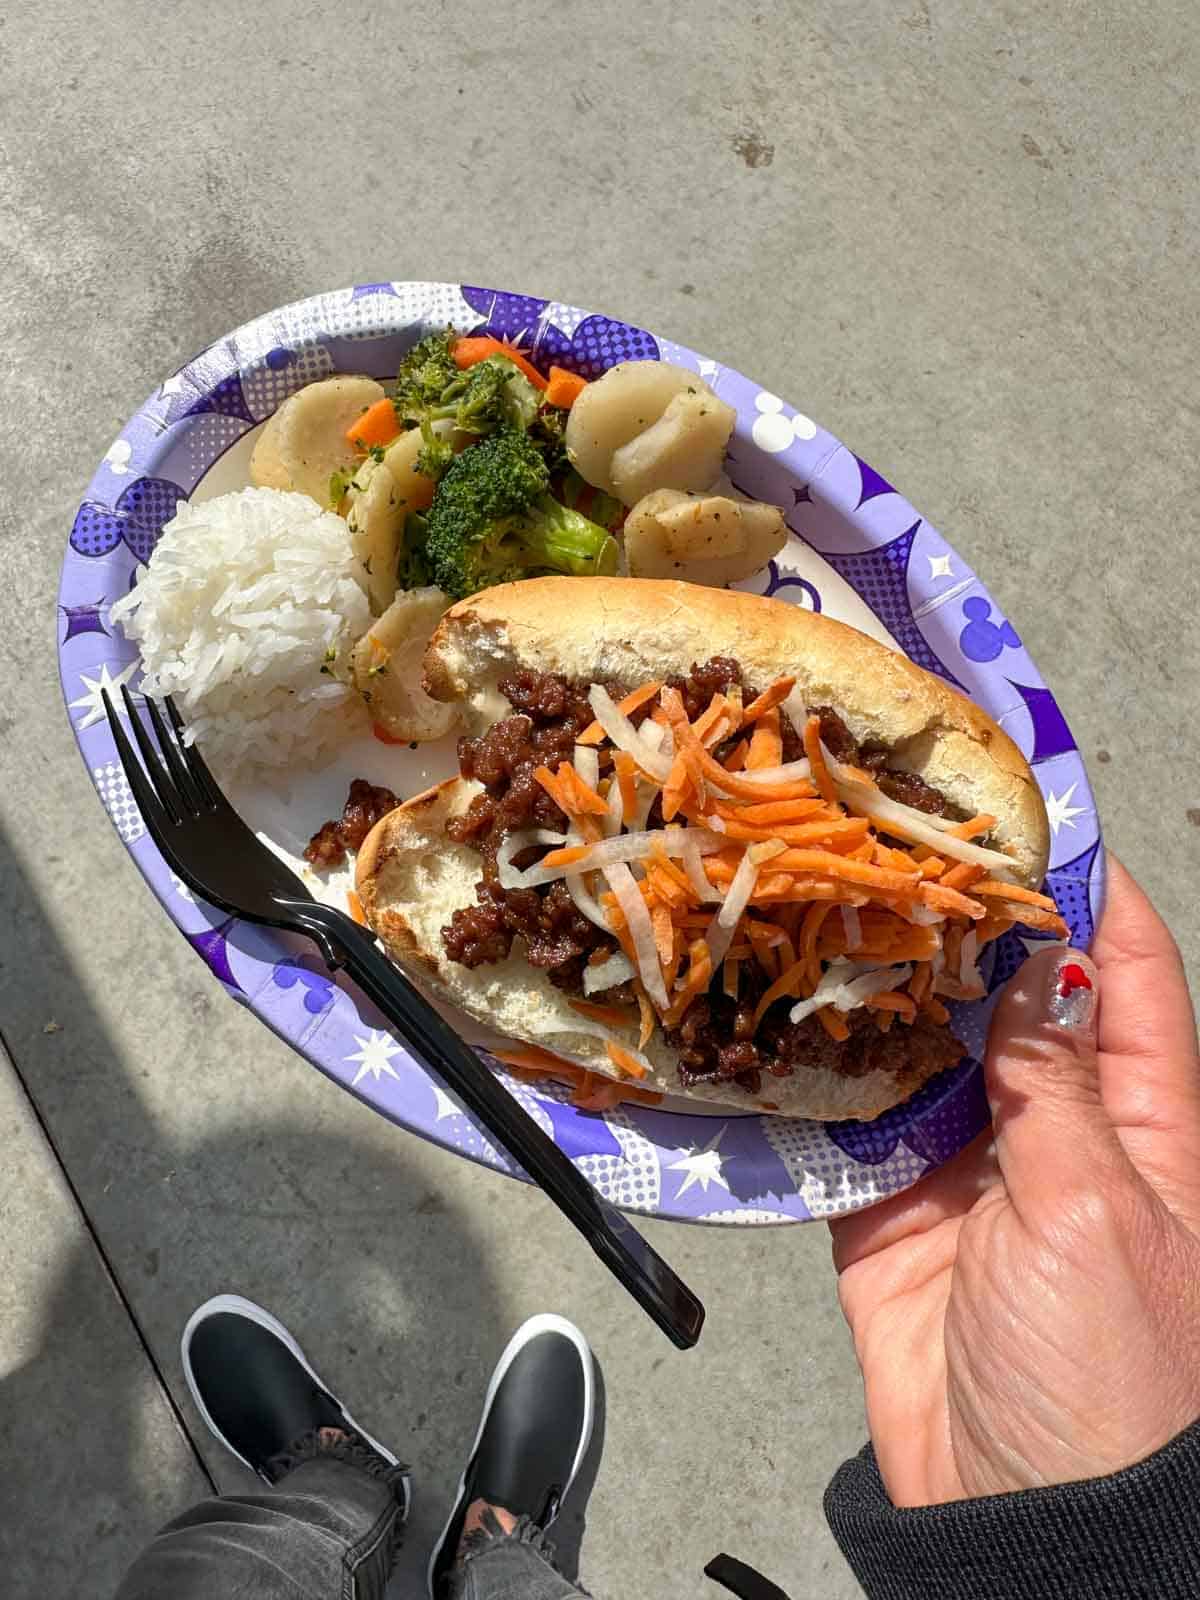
(1071, 1000)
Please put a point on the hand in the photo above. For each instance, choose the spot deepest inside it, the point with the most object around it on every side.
(1030, 1313)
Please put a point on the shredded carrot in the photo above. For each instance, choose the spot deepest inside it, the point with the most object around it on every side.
(384, 737)
(623, 1061)
(769, 699)
(634, 701)
(730, 782)
(918, 984)
(729, 977)
(884, 1020)
(698, 976)
(894, 1000)
(355, 905)
(800, 809)
(468, 351)
(735, 761)
(993, 889)
(943, 899)
(809, 930)
(834, 1024)
(709, 724)
(664, 931)
(580, 797)
(611, 1016)
(378, 425)
(563, 388)
(934, 1008)
(565, 856)
(538, 1065)
(626, 770)
(822, 776)
(766, 742)
(973, 828)
(675, 790)
(845, 830)
(645, 1014)
(933, 866)
(961, 876)
(787, 983)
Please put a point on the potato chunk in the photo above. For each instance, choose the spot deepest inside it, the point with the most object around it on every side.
(707, 539)
(304, 443)
(379, 498)
(684, 449)
(386, 663)
(615, 409)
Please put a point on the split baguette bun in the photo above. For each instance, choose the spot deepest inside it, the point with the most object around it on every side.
(411, 878)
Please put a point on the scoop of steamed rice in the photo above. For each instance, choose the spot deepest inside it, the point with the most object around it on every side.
(246, 613)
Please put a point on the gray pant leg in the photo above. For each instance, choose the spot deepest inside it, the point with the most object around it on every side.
(329, 1530)
(512, 1566)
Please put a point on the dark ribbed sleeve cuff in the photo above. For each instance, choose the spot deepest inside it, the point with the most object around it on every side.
(1134, 1534)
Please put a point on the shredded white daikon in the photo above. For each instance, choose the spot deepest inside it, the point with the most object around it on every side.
(606, 974)
(637, 921)
(625, 736)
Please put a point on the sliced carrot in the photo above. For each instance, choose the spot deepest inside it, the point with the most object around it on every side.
(378, 425)
(766, 742)
(834, 1024)
(991, 888)
(769, 699)
(563, 388)
(634, 701)
(735, 761)
(822, 776)
(355, 905)
(973, 828)
(468, 351)
(623, 1061)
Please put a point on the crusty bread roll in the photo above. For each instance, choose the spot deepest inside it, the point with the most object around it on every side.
(411, 878)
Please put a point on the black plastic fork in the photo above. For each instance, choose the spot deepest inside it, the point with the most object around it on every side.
(207, 844)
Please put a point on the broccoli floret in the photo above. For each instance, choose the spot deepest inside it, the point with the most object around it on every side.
(492, 521)
(549, 431)
(413, 570)
(424, 375)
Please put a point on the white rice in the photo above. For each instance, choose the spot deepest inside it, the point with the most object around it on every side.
(243, 600)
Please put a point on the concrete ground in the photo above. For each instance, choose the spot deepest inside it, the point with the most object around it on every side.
(962, 237)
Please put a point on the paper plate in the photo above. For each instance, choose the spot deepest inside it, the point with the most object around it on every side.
(858, 551)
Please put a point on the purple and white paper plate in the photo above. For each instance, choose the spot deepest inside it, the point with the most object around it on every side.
(858, 551)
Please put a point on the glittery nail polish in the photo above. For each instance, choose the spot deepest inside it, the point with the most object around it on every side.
(1072, 997)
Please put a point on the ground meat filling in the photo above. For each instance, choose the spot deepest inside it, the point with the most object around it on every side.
(716, 1040)
(365, 805)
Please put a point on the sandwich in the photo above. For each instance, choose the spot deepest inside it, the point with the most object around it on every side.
(709, 844)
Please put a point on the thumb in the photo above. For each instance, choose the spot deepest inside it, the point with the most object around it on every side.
(1054, 1138)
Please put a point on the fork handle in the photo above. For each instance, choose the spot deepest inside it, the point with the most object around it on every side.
(642, 1271)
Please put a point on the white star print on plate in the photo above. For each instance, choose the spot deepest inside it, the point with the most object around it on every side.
(91, 703)
(939, 567)
(446, 1107)
(1059, 809)
(702, 1166)
(375, 1054)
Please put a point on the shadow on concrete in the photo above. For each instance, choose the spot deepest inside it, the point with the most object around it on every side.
(384, 1283)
